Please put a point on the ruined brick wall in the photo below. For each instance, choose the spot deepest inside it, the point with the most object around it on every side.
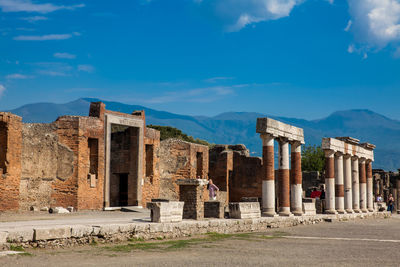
(44, 161)
(180, 160)
(151, 174)
(10, 160)
(233, 170)
(90, 161)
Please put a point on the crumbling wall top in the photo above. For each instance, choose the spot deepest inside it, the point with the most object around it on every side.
(349, 146)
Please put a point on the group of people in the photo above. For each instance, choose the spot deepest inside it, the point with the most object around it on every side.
(318, 194)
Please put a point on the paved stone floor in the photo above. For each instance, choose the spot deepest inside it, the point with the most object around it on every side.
(368, 242)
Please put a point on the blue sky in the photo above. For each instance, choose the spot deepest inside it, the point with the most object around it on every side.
(297, 58)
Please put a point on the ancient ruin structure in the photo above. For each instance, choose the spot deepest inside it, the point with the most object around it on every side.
(102, 161)
(290, 182)
(348, 175)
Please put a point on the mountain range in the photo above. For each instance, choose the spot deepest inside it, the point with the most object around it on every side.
(240, 127)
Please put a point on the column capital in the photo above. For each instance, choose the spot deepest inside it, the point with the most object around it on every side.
(267, 139)
(368, 161)
(339, 154)
(346, 156)
(282, 140)
(354, 158)
(362, 160)
(329, 153)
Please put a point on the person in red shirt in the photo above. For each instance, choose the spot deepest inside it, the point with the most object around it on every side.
(315, 193)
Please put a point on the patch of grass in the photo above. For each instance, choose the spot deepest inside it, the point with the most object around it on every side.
(160, 238)
(25, 254)
(16, 248)
(93, 243)
(136, 239)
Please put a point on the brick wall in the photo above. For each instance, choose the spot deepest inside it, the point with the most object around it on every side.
(10, 160)
(179, 160)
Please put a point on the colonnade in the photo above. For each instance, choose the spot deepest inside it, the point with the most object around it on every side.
(348, 175)
(290, 192)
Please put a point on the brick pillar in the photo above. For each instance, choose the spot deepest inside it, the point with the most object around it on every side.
(296, 189)
(268, 183)
(363, 185)
(191, 193)
(370, 194)
(284, 176)
(330, 181)
(355, 184)
(339, 186)
(348, 193)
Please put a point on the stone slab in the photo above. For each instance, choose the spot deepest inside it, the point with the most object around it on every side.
(244, 210)
(60, 232)
(166, 212)
(279, 129)
(309, 208)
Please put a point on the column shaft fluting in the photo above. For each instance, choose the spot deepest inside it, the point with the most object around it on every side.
(370, 194)
(283, 173)
(339, 186)
(296, 189)
(330, 182)
(348, 193)
(356, 184)
(363, 186)
(268, 184)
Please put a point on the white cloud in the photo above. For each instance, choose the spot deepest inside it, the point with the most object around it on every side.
(48, 37)
(34, 18)
(351, 49)
(86, 68)
(217, 79)
(349, 23)
(55, 69)
(29, 6)
(200, 95)
(376, 23)
(64, 55)
(17, 76)
(240, 13)
(2, 89)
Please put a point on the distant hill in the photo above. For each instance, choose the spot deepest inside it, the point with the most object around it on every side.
(240, 127)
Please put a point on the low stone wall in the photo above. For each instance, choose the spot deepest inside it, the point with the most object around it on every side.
(63, 236)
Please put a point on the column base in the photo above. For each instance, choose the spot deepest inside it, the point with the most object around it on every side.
(371, 210)
(364, 210)
(297, 212)
(330, 212)
(269, 214)
(341, 211)
(285, 211)
(286, 214)
(357, 210)
(349, 211)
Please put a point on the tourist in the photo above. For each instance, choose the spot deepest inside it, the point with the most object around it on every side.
(212, 188)
(315, 193)
(390, 203)
(379, 199)
(322, 196)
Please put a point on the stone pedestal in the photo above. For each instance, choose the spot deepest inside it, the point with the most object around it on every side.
(191, 193)
(244, 210)
(166, 212)
(214, 209)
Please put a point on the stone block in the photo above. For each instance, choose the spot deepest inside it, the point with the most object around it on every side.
(309, 208)
(244, 210)
(165, 212)
(81, 230)
(108, 229)
(3, 237)
(51, 233)
(214, 209)
(20, 235)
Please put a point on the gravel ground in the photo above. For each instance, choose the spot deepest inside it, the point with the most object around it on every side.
(371, 242)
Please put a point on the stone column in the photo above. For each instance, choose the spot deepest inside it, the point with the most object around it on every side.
(330, 182)
(370, 194)
(363, 186)
(283, 175)
(268, 184)
(339, 186)
(356, 184)
(398, 195)
(296, 189)
(348, 193)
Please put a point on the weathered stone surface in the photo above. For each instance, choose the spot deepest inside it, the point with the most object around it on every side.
(20, 235)
(214, 209)
(52, 233)
(244, 210)
(3, 237)
(81, 230)
(279, 129)
(309, 208)
(108, 229)
(166, 211)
